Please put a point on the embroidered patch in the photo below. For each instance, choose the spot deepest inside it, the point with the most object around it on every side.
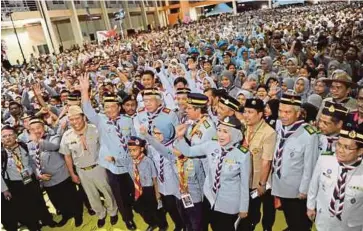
(243, 149)
(206, 124)
(166, 110)
(310, 129)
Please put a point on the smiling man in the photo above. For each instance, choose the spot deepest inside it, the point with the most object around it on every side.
(295, 156)
(335, 195)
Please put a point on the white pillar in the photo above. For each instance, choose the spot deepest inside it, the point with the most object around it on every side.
(76, 27)
(234, 7)
(46, 35)
(156, 15)
(143, 14)
(54, 45)
(105, 17)
(270, 4)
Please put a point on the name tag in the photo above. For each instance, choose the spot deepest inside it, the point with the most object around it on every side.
(227, 161)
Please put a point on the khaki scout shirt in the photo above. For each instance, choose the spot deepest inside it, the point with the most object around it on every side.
(261, 144)
(71, 144)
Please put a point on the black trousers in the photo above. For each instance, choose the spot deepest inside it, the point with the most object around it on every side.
(221, 221)
(122, 188)
(147, 206)
(192, 217)
(26, 206)
(170, 206)
(295, 214)
(269, 211)
(65, 196)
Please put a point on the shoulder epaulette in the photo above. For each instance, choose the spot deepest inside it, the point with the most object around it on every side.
(141, 109)
(214, 138)
(243, 149)
(166, 110)
(206, 124)
(310, 129)
(327, 153)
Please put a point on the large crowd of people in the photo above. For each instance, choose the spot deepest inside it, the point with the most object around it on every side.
(218, 123)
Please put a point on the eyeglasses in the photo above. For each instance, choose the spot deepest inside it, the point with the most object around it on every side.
(344, 147)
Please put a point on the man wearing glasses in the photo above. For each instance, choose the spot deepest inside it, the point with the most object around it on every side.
(335, 198)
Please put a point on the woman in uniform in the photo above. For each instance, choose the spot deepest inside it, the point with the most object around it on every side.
(227, 179)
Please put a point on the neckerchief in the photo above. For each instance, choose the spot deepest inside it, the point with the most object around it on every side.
(339, 190)
(277, 163)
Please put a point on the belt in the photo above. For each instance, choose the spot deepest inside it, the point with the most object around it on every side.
(89, 167)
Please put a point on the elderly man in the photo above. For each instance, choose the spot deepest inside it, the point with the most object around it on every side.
(80, 147)
(335, 199)
(295, 156)
(153, 110)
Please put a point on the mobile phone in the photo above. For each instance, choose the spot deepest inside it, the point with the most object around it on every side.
(105, 68)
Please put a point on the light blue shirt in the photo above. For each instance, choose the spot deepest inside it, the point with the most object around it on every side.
(110, 144)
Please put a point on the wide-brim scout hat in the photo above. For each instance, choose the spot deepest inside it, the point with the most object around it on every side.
(341, 77)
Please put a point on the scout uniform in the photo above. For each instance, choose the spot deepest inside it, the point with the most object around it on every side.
(203, 129)
(24, 136)
(149, 118)
(167, 173)
(74, 98)
(190, 175)
(260, 141)
(84, 149)
(327, 142)
(26, 204)
(336, 190)
(113, 142)
(232, 103)
(182, 115)
(295, 156)
(226, 184)
(143, 172)
(60, 188)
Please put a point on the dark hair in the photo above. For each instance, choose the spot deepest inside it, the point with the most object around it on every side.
(231, 64)
(148, 72)
(203, 110)
(213, 90)
(8, 127)
(56, 97)
(64, 91)
(180, 80)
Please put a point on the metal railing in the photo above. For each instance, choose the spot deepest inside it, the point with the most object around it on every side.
(16, 6)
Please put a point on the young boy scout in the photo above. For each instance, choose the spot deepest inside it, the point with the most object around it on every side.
(143, 173)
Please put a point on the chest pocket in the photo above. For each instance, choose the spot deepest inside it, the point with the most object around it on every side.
(355, 187)
(294, 153)
(230, 166)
